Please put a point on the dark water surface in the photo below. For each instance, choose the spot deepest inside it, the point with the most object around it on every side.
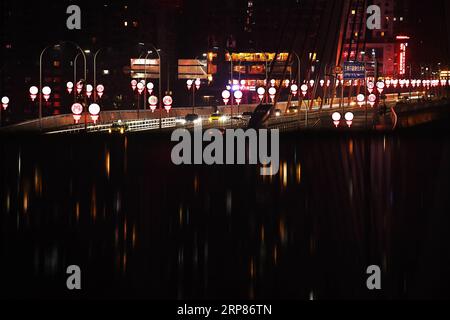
(140, 227)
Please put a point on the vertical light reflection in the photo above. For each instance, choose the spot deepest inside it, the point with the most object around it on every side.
(283, 232)
(180, 215)
(229, 202)
(252, 269)
(108, 163)
(77, 211)
(196, 184)
(298, 174)
(94, 203)
(25, 201)
(8, 202)
(133, 237)
(275, 255)
(37, 182)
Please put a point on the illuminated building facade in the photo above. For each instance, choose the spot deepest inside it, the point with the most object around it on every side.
(379, 47)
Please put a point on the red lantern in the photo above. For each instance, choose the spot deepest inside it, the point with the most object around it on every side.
(261, 92)
(46, 91)
(349, 116)
(226, 95)
(238, 96)
(167, 101)
(294, 89)
(94, 110)
(33, 93)
(134, 84)
(361, 99)
(89, 90)
(5, 103)
(77, 110)
(272, 93)
(100, 90)
(150, 87)
(140, 87)
(79, 87)
(372, 99)
(336, 118)
(153, 101)
(69, 87)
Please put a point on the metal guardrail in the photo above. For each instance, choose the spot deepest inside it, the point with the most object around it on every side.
(133, 126)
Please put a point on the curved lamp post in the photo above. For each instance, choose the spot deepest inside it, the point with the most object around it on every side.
(57, 46)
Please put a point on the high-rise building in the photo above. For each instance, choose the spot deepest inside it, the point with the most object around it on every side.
(380, 45)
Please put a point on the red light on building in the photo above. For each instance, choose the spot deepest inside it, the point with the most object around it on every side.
(402, 54)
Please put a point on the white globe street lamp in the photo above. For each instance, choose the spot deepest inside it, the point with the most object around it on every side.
(5, 103)
(94, 110)
(336, 118)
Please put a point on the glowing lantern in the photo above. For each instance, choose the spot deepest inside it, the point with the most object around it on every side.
(77, 110)
(189, 84)
(226, 95)
(395, 83)
(322, 83)
(388, 83)
(261, 92)
(238, 96)
(361, 99)
(372, 99)
(150, 87)
(198, 83)
(153, 101)
(79, 87)
(294, 89)
(46, 91)
(94, 110)
(304, 89)
(402, 83)
(311, 83)
(140, 87)
(69, 87)
(380, 86)
(272, 93)
(370, 86)
(33, 93)
(336, 118)
(272, 82)
(167, 100)
(287, 83)
(100, 90)
(89, 90)
(5, 103)
(134, 84)
(349, 116)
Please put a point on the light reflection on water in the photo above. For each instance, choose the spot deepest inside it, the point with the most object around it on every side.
(141, 227)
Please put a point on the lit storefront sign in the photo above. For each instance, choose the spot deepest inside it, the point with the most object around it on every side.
(402, 54)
